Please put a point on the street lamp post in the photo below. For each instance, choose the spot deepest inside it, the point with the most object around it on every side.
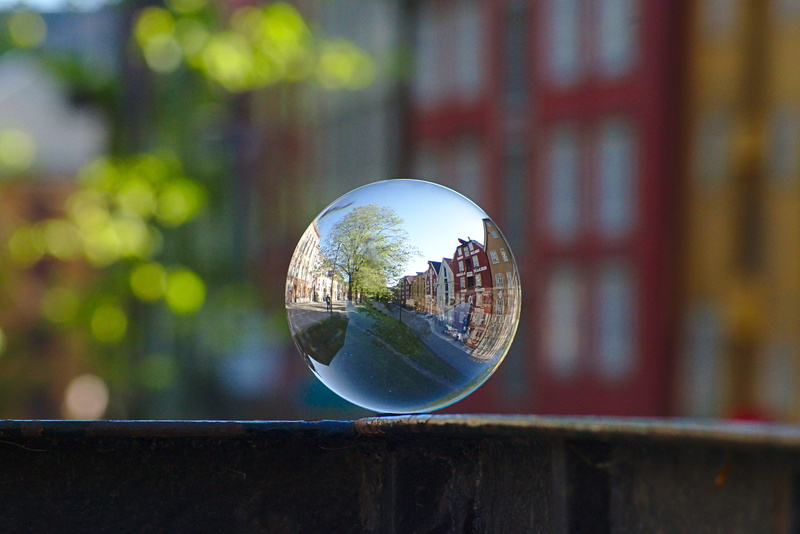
(333, 271)
(399, 300)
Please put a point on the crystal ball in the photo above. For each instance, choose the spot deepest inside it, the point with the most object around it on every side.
(403, 296)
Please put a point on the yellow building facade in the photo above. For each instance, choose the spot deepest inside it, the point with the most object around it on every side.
(742, 232)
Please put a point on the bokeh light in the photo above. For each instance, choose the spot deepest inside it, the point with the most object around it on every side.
(62, 239)
(186, 7)
(60, 304)
(17, 151)
(179, 201)
(344, 66)
(27, 29)
(109, 323)
(149, 281)
(85, 398)
(186, 291)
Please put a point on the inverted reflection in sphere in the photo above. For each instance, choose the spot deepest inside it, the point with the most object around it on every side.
(403, 296)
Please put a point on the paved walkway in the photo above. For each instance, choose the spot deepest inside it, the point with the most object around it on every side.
(304, 314)
(452, 351)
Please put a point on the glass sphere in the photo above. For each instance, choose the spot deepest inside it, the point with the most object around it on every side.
(403, 296)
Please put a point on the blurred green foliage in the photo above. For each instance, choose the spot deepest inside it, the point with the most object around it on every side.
(129, 226)
(256, 47)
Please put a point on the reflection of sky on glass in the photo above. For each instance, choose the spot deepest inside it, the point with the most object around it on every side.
(54, 5)
(435, 217)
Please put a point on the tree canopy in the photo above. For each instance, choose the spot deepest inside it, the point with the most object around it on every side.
(370, 247)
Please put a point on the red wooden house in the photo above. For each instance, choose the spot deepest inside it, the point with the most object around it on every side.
(604, 196)
(562, 123)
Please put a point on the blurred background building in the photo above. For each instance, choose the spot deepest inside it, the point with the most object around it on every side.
(642, 159)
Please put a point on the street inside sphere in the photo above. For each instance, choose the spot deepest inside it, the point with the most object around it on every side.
(403, 296)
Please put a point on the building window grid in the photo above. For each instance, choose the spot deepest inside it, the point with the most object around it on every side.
(493, 254)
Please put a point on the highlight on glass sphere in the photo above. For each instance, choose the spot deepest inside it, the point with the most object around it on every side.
(403, 296)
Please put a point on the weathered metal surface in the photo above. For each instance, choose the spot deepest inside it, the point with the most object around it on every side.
(399, 474)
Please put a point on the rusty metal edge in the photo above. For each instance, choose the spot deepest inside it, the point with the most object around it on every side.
(408, 426)
(590, 428)
(168, 429)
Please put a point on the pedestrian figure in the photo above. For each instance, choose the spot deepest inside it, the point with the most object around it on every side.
(328, 305)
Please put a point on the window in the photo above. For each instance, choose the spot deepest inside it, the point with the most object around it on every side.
(471, 248)
(427, 82)
(475, 262)
(516, 47)
(470, 282)
(616, 169)
(786, 13)
(468, 47)
(461, 266)
(478, 280)
(784, 148)
(775, 375)
(510, 277)
(704, 342)
(515, 202)
(562, 329)
(467, 172)
(498, 279)
(493, 254)
(563, 194)
(498, 307)
(504, 254)
(720, 17)
(563, 51)
(712, 149)
(614, 316)
(616, 36)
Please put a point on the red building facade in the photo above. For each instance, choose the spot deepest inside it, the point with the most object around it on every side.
(564, 127)
(473, 279)
(604, 180)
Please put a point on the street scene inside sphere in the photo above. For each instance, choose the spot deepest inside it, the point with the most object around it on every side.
(403, 296)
